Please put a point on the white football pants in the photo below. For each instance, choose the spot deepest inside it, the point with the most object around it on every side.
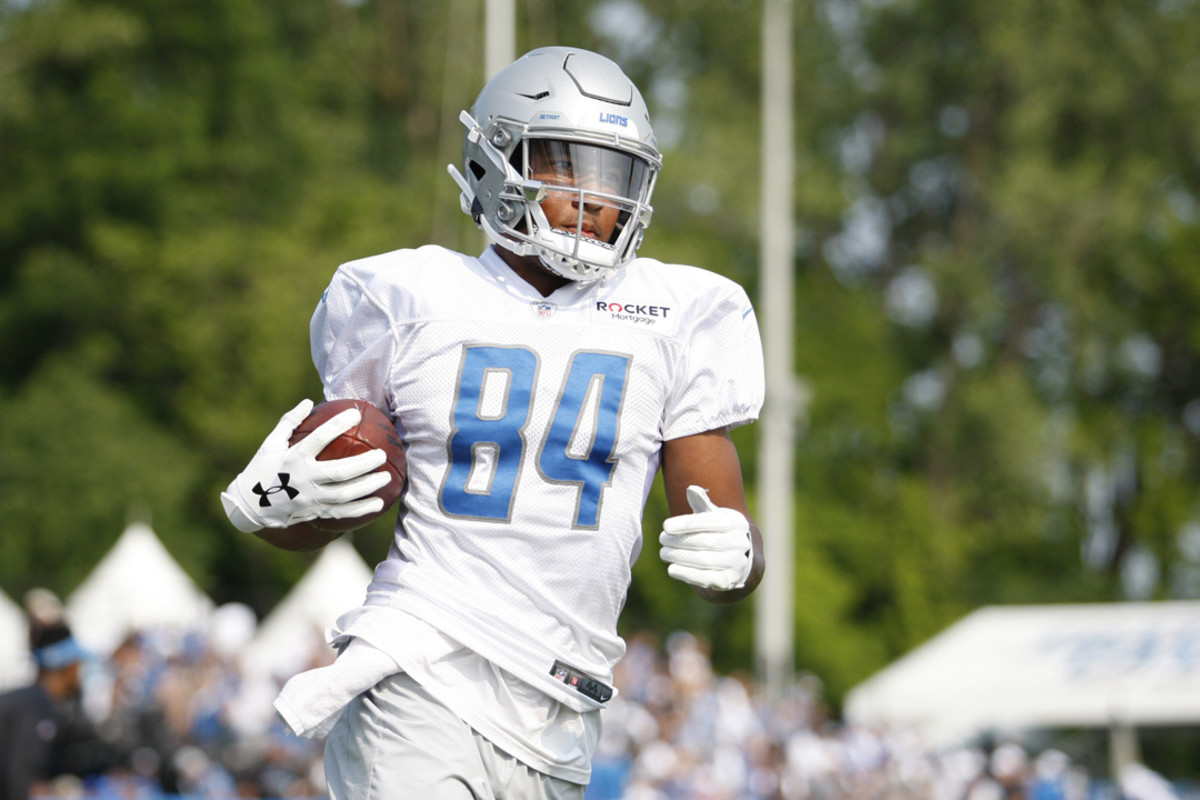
(396, 741)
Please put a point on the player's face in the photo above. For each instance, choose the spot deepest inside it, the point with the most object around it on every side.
(603, 175)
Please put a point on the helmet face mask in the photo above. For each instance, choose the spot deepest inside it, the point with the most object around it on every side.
(590, 196)
(560, 162)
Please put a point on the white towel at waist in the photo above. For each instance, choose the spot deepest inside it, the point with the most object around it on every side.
(311, 702)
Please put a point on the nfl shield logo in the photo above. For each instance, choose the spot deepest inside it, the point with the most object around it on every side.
(543, 308)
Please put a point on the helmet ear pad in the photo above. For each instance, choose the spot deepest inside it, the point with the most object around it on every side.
(505, 211)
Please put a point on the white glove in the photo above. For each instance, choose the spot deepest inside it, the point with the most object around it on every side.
(709, 548)
(283, 486)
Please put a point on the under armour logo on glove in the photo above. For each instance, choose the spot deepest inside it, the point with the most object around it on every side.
(340, 488)
(264, 495)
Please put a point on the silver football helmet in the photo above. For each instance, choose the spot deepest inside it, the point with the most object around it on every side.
(559, 161)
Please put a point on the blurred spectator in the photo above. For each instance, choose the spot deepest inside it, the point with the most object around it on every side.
(44, 732)
(1051, 779)
(1139, 782)
(1010, 769)
(187, 718)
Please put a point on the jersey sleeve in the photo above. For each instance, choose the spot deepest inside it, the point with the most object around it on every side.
(353, 337)
(721, 382)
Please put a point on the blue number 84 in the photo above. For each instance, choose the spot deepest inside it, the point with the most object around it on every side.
(491, 411)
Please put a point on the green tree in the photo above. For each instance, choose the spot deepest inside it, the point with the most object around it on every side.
(1020, 187)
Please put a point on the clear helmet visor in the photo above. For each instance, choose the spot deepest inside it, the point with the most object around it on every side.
(591, 192)
(574, 165)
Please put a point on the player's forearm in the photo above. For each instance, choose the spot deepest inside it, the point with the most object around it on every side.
(299, 537)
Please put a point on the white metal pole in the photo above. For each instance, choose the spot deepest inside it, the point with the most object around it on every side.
(500, 21)
(499, 46)
(773, 607)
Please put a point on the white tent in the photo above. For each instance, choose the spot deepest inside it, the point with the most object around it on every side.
(292, 634)
(136, 586)
(1015, 668)
(16, 664)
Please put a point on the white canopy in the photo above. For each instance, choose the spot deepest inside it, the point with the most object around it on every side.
(136, 586)
(292, 634)
(1027, 667)
(16, 664)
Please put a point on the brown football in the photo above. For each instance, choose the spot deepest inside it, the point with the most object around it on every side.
(374, 431)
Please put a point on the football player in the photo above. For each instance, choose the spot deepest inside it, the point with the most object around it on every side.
(538, 388)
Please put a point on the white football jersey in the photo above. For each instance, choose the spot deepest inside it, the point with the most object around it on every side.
(532, 428)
